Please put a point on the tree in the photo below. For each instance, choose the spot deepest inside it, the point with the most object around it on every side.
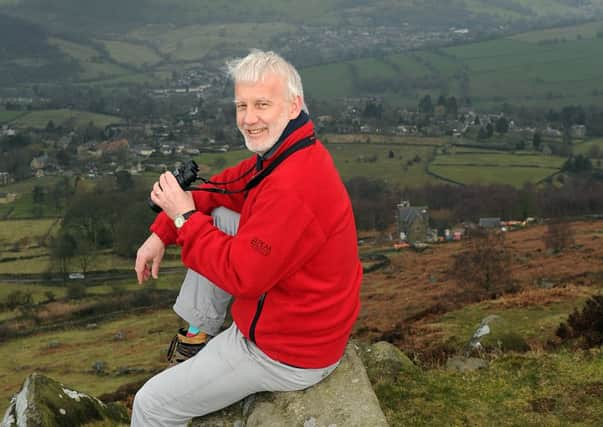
(501, 125)
(536, 140)
(489, 130)
(425, 105)
(579, 163)
(18, 298)
(124, 181)
(132, 229)
(62, 249)
(38, 194)
(559, 235)
(484, 265)
(482, 133)
(452, 107)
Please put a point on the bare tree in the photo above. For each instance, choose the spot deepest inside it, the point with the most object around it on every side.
(558, 236)
(484, 265)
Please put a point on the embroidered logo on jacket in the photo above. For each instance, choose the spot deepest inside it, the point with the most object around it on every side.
(261, 246)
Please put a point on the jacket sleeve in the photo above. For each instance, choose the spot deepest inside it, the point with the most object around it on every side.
(277, 238)
(206, 201)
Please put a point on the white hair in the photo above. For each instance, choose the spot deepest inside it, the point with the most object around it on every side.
(254, 67)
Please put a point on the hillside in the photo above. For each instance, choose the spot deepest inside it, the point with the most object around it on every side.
(95, 17)
(413, 303)
(147, 40)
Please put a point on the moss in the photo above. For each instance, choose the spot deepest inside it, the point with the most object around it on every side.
(530, 389)
(53, 404)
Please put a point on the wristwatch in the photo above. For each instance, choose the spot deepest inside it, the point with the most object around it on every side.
(181, 219)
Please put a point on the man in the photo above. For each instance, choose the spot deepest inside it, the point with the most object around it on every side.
(278, 235)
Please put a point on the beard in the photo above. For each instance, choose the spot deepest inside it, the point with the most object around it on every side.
(264, 144)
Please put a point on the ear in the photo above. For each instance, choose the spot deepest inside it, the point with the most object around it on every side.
(295, 107)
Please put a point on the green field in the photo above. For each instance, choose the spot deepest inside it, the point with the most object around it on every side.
(356, 159)
(194, 42)
(510, 70)
(14, 230)
(95, 66)
(587, 146)
(7, 116)
(489, 168)
(584, 31)
(39, 119)
(131, 54)
(71, 358)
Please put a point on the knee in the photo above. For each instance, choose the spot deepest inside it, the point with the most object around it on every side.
(226, 220)
(144, 406)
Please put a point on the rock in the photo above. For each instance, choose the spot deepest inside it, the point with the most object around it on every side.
(99, 367)
(384, 360)
(465, 364)
(495, 334)
(53, 344)
(43, 402)
(345, 398)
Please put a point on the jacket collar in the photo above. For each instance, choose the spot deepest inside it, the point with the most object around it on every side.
(297, 129)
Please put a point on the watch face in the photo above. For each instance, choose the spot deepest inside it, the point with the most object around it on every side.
(179, 221)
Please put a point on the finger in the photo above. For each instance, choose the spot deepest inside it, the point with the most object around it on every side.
(169, 181)
(155, 268)
(139, 272)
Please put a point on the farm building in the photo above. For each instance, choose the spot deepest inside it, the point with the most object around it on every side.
(413, 222)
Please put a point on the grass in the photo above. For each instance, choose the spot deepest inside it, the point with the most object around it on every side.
(194, 42)
(586, 146)
(39, 119)
(535, 322)
(15, 230)
(354, 160)
(94, 64)
(510, 69)
(533, 389)
(588, 30)
(7, 116)
(77, 349)
(351, 159)
(481, 168)
(131, 54)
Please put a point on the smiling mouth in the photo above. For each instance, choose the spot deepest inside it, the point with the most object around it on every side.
(255, 132)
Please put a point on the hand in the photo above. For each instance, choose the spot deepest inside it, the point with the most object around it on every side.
(148, 258)
(168, 195)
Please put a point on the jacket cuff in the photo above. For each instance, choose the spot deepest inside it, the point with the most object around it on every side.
(164, 227)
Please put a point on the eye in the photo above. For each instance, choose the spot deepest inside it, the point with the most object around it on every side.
(240, 107)
(263, 105)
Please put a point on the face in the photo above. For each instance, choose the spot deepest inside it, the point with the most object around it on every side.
(263, 111)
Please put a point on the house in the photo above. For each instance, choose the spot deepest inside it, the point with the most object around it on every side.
(114, 146)
(146, 151)
(4, 178)
(6, 131)
(413, 222)
(489, 222)
(39, 163)
(7, 197)
(578, 131)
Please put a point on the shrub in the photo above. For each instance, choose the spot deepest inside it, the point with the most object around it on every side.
(584, 326)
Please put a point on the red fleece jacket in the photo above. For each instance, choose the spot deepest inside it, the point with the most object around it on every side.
(293, 265)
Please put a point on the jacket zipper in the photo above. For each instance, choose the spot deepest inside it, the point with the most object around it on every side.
(258, 311)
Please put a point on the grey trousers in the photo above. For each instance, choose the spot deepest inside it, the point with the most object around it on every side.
(229, 367)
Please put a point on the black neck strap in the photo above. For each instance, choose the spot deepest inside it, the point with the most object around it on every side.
(253, 182)
(299, 145)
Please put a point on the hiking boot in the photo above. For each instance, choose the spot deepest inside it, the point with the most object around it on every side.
(183, 348)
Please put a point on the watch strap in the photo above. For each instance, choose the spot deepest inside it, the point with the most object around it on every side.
(187, 215)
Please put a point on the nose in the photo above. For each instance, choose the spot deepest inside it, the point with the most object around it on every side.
(249, 116)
